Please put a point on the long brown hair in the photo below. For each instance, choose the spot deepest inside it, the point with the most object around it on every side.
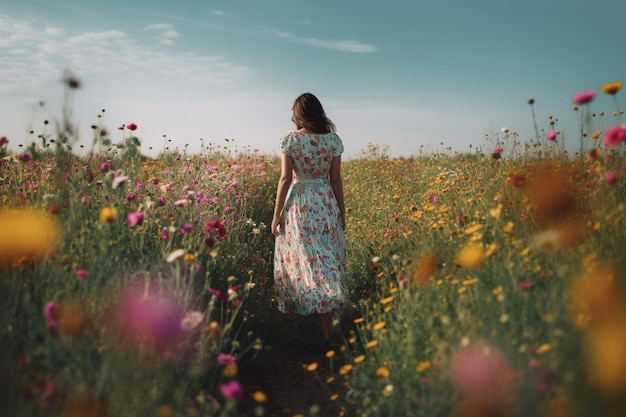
(309, 114)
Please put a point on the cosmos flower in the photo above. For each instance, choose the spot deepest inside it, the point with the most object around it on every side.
(135, 219)
(551, 135)
(225, 359)
(191, 320)
(614, 135)
(131, 126)
(611, 177)
(584, 97)
(118, 180)
(81, 273)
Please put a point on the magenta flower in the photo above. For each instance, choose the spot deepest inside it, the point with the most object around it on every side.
(24, 157)
(181, 203)
(498, 150)
(584, 97)
(106, 166)
(226, 359)
(525, 285)
(131, 126)
(232, 390)
(611, 177)
(551, 135)
(614, 135)
(135, 219)
(151, 316)
(51, 313)
(81, 273)
(435, 199)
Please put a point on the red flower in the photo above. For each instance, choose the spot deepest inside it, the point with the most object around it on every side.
(131, 126)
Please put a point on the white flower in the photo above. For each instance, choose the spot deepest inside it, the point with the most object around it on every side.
(175, 254)
(119, 180)
(191, 320)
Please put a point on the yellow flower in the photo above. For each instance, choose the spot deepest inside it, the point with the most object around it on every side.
(312, 367)
(359, 320)
(508, 228)
(359, 359)
(607, 356)
(596, 134)
(382, 372)
(470, 256)
(473, 229)
(611, 88)
(345, 369)
(387, 300)
(371, 344)
(108, 214)
(379, 325)
(259, 397)
(495, 212)
(27, 234)
(425, 266)
(424, 365)
(230, 370)
(188, 257)
(330, 354)
(543, 349)
(334, 397)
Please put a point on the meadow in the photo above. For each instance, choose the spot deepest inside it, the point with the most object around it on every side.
(487, 283)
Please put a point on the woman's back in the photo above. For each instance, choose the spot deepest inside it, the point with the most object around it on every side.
(312, 153)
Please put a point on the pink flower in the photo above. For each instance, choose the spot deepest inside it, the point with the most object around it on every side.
(135, 219)
(118, 180)
(232, 389)
(611, 177)
(191, 320)
(151, 316)
(226, 359)
(435, 199)
(524, 285)
(131, 126)
(479, 370)
(614, 135)
(51, 312)
(181, 203)
(498, 150)
(551, 135)
(81, 273)
(584, 97)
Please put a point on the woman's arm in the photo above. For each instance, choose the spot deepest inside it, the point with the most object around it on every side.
(337, 185)
(281, 192)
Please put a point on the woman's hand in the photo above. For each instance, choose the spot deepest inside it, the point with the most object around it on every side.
(276, 226)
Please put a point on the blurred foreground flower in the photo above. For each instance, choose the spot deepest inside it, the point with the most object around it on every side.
(28, 234)
(232, 389)
(135, 219)
(424, 267)
(147, 319)
(614, 135)
(485, 378)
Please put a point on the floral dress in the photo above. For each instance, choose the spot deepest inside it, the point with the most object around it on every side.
(309, 254)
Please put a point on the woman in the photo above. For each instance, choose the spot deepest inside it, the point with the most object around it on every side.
(309, 217)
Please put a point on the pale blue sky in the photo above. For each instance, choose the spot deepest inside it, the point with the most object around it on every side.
(406, 74)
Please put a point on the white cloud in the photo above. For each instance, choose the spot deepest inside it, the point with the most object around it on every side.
(35, 53)
(342, 45)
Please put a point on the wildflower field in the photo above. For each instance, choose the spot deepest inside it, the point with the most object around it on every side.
(488, 283)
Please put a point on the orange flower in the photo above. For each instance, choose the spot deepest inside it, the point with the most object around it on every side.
(611, 88)
(108, 214)
(470, 256)
(424, 267)
(517, 180)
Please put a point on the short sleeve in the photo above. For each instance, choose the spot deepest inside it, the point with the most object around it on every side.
(338, 146)
(286, 143)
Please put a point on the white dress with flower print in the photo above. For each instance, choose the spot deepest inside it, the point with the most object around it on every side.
(309, 255)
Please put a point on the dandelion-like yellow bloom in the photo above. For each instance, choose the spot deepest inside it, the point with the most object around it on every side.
(611, 88)
(424, 365)
(470, 256)
(473, 229)
(312, 367)
(371, 344)
(108, 214)
(359, 359)
(28, 234)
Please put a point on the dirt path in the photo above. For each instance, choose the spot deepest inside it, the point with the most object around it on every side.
(287, 378)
